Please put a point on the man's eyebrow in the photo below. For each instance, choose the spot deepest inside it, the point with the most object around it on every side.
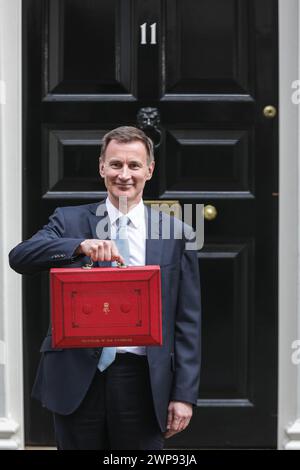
(114, 160)
(119, 160)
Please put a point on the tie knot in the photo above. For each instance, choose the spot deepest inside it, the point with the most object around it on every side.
(123, 221)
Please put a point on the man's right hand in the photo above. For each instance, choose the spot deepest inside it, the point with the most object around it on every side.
(100, 250)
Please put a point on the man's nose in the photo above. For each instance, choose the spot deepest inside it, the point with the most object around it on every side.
(124, 173)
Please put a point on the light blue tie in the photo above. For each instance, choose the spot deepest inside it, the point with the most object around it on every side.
(109, 353)
(122, 238)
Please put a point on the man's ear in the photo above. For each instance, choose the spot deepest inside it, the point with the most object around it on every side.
(150, 170)
(101, 167)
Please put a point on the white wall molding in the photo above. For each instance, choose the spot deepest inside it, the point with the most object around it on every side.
(2, 352)
(11, 367)
(8, 432)
(9, 444)
(8, 427)
(293, 435)
(2, 92)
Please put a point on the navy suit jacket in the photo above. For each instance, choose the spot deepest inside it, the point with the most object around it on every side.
(64, 376)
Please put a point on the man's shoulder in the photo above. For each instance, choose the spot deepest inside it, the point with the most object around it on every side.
(82, 208)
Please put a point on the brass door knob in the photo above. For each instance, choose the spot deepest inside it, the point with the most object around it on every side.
(210, 212)
(270, 111)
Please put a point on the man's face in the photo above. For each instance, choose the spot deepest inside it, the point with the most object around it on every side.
(125, 171)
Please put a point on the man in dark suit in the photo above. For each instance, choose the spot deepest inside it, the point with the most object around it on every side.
(143, 394)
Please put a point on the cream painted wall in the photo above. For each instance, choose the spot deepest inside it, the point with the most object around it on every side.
(11, 366)
(289, 240)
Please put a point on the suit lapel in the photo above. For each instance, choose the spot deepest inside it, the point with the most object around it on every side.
(154, 240)
(154, 250)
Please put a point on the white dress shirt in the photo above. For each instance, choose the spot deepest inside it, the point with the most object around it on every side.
(136, 230)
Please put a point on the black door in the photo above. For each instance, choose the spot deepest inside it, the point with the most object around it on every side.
(209, 67)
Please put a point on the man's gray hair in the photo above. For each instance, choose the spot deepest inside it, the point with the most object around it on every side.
(126, 134)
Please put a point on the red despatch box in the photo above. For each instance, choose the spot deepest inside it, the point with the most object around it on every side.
(106, 307)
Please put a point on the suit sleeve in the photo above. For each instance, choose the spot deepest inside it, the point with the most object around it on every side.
(48, 248)
(188, 331)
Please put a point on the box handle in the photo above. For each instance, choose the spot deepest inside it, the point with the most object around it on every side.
(90, 265)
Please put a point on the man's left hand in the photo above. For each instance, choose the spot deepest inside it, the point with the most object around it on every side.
(179, 416)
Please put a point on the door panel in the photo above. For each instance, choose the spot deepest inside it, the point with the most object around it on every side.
(88, 49)
(221, 158)
(206, 47)
(209, 67)
(70, 163)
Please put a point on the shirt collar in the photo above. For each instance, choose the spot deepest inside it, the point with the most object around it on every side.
(135, 215)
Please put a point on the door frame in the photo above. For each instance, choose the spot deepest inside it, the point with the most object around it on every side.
(289, 228)
(11, 354)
